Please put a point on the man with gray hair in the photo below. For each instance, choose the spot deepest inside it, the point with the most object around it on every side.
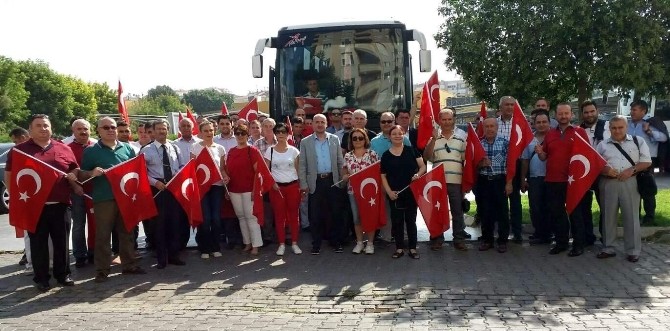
(81, 248)
(360, 120)
(184, 144)
(268, 140)
(506, 108)
(626, 156)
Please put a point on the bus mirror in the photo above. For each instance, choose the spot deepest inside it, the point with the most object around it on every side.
(424, 60)
(257, 66)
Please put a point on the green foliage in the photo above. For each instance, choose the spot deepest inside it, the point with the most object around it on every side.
(207, 100)
(106, 98)
(161, 90)
(13, 96)
(558, 49)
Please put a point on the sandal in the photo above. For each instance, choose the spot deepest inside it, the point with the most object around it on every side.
(398, 254)
(413, 255)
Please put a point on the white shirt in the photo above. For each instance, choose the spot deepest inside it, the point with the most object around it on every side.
(216, 151)
(227, 143)
(136, 146)
(615, 158)
(592, 131)
(282, 165)
(504, 127)
(185, 145)
(70, 139)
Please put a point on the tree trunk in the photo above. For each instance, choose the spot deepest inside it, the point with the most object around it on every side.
(582, 94)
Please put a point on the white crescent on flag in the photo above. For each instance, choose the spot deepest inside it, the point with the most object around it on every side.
(432, 88)
(184, 186)
(32, 173)
(251, 111)
(587, 164)
(206, 171)
(429, 185)
(126, 178)
(366, 182)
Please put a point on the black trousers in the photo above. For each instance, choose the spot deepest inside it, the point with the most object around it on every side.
(565, 225)
(167, 236)
(51, 223)
(491, 191)
(402, 217)
(515, 202)
(325, 213)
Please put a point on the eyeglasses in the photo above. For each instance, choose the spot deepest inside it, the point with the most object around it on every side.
(446, 146)
(108, 127)
(357, 138)
(240, 133)
(336, 114)
(386, 122)
(281, 131)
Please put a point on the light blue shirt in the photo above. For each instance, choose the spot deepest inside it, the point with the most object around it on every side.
(322, 155)
(381, 143)
(635, 129)
(537, 167)
(153, 155)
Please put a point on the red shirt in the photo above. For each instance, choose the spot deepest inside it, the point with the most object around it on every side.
(558, 146)
(57, 155)
(240, 166)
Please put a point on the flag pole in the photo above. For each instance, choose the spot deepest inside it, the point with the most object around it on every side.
(354, 174)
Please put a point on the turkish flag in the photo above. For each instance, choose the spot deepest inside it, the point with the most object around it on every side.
(474, 153)
(430, 193)
(180, 118)
(250, 111)
(519, 138)
(585, 166)
(263, 182)
(190, 116)
(135, 200)
(426, 120)
(224, 109)
(483, 114)
(289, 129)
(370, 201)
(187, 193)
(210, 172)
(29, 189)
(122, 105)
(434, 94)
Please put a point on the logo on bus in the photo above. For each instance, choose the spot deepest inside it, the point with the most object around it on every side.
(294, 40)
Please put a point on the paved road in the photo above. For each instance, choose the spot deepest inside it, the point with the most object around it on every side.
(522, 289)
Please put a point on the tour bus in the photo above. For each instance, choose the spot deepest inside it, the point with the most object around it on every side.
(351, 65)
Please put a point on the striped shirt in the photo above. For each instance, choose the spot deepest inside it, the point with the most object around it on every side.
(497, 153)
(504, 127)
(452, 157)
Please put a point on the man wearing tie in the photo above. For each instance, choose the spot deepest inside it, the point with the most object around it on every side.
(164, 160)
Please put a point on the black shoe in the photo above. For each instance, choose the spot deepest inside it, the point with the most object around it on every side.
(160, 266)
(316, 251)
(100, 277)
(539, 241)
(517, 240)
(557, 250)
(43, 286)
(24, 260)
(339, 249)
(80, 263)
(91, 259)
(306, 229)
(67, 281)
(134, 271)
(176, 262)
(576, 252)
(467, 235)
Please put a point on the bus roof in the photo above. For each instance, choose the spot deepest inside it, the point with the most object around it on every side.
(341, 24)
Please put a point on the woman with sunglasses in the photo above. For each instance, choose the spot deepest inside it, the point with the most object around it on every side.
(282, 160)
(401, 165)
(359, 157)
(243, 161)
(209, 231)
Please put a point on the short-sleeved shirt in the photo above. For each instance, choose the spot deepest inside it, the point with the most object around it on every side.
(399, 170)
(615, 158)
(263, 144)
(227, 143)
(558, 146)
(382, 143)
(537, 167)
(282, 165)
(216, 151)
(497, 153)
(100, 155)
(185, 145)
(57, 155)
(452, 159)
(354, 164)
(240, 165)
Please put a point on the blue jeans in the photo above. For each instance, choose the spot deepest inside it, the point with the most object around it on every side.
(79, 248)
(209, 232)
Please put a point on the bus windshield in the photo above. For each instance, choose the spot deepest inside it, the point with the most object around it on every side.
(353, 68)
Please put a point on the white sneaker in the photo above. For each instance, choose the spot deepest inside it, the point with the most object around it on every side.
(204, 256)
(217, 254)
(358, 248)
(28, 270)
(281, 249)
(296, 249)
(370, 249)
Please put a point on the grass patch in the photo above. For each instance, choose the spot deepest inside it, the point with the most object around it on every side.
(662, 210)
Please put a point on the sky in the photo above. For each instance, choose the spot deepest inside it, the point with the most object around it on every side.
(186, 45)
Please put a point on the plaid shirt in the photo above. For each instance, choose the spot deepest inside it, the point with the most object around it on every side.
(497, 153)
(263, 145)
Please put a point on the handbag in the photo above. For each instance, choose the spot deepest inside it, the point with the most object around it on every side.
(646, 184)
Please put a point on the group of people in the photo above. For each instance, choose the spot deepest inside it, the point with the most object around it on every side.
(311, 170)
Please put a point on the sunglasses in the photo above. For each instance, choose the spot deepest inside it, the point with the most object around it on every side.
(336, 114)
(357, 138)
(108, 127)
(240, 133)
(446, 146)
(386, 122)
(281, 131)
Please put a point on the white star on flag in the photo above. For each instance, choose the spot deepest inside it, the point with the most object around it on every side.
(570, 179)
(372, 201)
(24, 196)
(437, 205)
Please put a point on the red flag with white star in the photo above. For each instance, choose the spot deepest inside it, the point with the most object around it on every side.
(585, 166)
(190, 116)
(519, 138)
(369, 195)
(474, 153)
(250, 111)
(430, 193)
(210, 173)
(187, 192)
(129, 196)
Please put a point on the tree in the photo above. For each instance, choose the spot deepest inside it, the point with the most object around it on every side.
(557, 50)
(83, 99)
(106, 98)
(161, 90)
(207, 100)
(13, 96)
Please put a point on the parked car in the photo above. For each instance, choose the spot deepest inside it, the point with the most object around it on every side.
(4, 150)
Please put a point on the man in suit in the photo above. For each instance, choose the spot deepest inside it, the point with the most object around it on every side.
(319, 168)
